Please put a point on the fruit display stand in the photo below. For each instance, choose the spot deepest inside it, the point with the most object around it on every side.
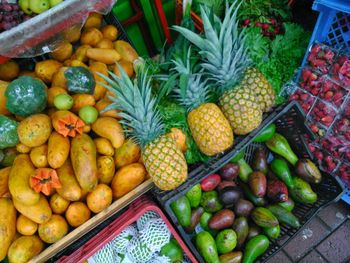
(52, 250)
(332, 29)
(136, 210)
(290, 122)
(78, 232)
(41, 33)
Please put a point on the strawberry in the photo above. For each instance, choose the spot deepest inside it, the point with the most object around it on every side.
(315, 48)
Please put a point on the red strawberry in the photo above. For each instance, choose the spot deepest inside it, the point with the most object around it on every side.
(315, 48)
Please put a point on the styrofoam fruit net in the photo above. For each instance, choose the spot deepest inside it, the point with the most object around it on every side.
(121, 241)
(155, 234)
(138, 252)
(107, 254)
(142, 221)
(159, 259)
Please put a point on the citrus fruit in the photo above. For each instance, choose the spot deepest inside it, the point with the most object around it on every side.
(88, 114)
(63, 102)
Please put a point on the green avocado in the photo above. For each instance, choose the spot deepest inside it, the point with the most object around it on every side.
(194, 195)
(173, 251)
(226, 241)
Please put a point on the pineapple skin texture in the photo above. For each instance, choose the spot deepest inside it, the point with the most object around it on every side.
(165, 163)
(210, 129)
(256, 82)
(241, 109)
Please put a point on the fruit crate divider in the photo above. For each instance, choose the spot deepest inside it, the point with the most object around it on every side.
(330, 189)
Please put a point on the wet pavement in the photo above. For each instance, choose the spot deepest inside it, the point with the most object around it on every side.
(325, 239)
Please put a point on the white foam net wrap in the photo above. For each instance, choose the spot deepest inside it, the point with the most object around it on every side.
(155, 234)
(141, 222)
(121, 242)
(107, 254)
(140, 242)
(139, 252)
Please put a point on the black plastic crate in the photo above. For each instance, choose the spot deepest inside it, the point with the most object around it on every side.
(198, 172)
(290, 122)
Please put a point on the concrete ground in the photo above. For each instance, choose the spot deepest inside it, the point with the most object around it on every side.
(325, 239)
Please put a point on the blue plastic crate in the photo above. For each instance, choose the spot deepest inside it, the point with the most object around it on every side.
(333, 24)
(332, 28)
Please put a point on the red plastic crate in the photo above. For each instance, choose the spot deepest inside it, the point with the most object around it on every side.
(135, 211)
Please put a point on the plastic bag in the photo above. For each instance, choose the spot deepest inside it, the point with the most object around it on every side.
(42, 33)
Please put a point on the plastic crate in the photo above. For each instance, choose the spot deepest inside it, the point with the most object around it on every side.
(333, 24)
(198, 171)
(332, 28)
(130, 216)
(290, 122)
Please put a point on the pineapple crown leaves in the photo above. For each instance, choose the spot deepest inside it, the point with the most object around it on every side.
(191, 91)
(138, 107)
(222, 47)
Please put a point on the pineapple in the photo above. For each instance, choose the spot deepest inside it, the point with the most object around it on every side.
(163, 160)
(226, 62)
(256, 82)
(210, 129)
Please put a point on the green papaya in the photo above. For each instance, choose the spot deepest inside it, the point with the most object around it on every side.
(255, 248)
(284, 216)
(302, 192)
(263, 217)
(266, 134)
(206, 246)
(272, 232)
(182, 210)
(279, 144)
(194, 195)
(280, 168)
(173, 251)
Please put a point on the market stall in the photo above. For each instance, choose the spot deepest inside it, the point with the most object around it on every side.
(228, 141)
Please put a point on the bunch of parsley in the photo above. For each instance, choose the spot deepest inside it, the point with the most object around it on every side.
(278, 59)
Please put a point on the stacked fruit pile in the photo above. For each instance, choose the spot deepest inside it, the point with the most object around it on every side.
(242, 207)
(324, 96)
(63, 159)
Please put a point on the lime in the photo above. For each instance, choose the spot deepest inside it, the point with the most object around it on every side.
(63, 102)
(88, 114)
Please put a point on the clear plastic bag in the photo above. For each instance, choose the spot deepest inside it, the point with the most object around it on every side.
(42, 33)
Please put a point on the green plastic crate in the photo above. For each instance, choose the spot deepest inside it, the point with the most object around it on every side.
(123, 10)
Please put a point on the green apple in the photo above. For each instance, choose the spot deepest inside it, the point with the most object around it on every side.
(24, 4)
(55, 2)
(39, 6)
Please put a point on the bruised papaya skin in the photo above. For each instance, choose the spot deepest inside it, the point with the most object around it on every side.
(83, 157)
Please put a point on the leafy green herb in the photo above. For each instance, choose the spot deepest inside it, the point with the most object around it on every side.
(175, 116)
(279, 58)
(263, 10)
